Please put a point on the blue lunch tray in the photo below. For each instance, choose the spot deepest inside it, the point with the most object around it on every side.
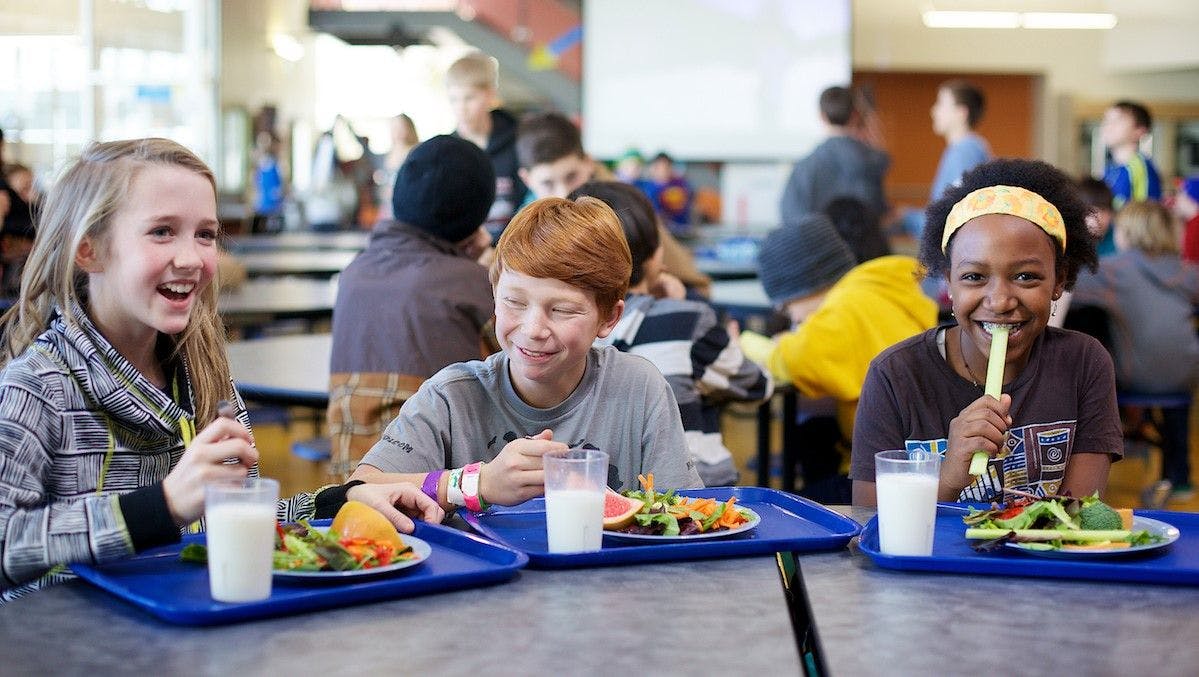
(1177, 564)
(176, 591)
(789, 523)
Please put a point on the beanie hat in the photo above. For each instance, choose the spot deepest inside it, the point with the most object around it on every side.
(802, 258)
(445, 187)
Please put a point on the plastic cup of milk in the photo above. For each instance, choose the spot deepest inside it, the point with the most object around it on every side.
(906, 486)
(240, 522)
(574, 499)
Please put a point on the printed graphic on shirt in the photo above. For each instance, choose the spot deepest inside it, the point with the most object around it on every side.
(1034, 460)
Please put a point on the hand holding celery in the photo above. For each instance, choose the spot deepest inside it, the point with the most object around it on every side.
(995, 365)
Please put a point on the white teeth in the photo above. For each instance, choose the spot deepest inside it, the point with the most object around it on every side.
(179, 287)
(990, 327)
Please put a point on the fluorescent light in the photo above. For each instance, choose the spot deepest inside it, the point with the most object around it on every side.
(990, 19)
(287, 47)
(948, 19)
(1068, 20)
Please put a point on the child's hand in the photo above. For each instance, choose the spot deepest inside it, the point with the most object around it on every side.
(668, 286)
(203, 462)
(399, 502)
(981, 426)
(516, 475)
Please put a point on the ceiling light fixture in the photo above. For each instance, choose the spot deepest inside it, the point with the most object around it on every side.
(1037, 20)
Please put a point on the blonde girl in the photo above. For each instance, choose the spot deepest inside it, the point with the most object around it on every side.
(112, 369)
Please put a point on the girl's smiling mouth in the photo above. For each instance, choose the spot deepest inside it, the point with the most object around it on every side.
(176, 291)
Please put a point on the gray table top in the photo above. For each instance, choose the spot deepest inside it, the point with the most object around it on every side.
(279, 296)
(296, 262)
(873, 621)
(601, 621)
(283, 369)
(353, 240)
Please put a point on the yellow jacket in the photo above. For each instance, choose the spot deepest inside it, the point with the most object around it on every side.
(874, 306)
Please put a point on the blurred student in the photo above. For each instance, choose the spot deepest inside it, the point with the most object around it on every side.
(630, 167)
(842, 165)
(670, 193)
(1098, 197)
(843, 315)
(268, 185)
(859, 227)
(1131, 175)
(403, 140)
(1008, 239)
(472, 84)
(956, 113)
(1186, 208)
(113, 369)
(475, 433)
(703, 364)
(415, 300)
(16, 230)
(1149, 295)
(553, 163)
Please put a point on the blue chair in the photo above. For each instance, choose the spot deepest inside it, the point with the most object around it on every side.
(1172, 411)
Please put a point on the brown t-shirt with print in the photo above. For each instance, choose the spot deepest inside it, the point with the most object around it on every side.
(1064, 402)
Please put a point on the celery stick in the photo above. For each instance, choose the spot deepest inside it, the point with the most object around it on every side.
(1051, 535)
(998, 358)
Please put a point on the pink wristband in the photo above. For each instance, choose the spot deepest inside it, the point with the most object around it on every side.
(470, 487)
(429, 486)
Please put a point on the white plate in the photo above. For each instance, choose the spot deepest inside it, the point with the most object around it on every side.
(754, 518)
(419, 547)
(1167, 532)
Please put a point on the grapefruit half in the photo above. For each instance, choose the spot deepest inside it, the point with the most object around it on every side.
(619, 510)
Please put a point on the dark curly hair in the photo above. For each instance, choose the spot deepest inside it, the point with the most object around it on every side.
(1041, 178)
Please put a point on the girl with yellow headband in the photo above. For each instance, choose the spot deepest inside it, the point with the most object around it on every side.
(1009, 239)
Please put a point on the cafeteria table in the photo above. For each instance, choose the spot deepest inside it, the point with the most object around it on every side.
(310, 263)
(725, 616)
(873, 621)
(285, 370)
(263, 300)
(349, 240)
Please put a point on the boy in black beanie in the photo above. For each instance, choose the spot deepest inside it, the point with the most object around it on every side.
(415, 300)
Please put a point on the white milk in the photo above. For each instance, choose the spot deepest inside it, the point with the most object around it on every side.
(574, 520)
(241, 539)
(907, 510)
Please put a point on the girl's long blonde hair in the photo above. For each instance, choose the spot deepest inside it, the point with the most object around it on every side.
(1148, 226)
(81, 205)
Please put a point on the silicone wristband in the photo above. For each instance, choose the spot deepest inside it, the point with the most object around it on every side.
(453, 492)
(470, 487)
(429, 486)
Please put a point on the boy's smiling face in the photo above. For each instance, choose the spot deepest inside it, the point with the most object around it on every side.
(546, 327)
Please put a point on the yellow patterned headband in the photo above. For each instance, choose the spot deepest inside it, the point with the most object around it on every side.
(1011, 200)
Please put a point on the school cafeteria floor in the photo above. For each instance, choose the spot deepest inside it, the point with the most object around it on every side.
(275, 430)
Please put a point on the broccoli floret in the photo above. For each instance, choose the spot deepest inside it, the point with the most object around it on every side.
(1097, 515)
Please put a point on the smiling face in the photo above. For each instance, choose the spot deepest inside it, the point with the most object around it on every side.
(546, 327)
(158, 255)
(1002, 271)
(557, 178)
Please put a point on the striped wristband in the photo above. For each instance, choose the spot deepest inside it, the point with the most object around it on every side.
(429, 486)
(470, 487)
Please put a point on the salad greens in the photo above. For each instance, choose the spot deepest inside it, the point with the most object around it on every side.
(1053, 523)
(301, 547)
(667, 514)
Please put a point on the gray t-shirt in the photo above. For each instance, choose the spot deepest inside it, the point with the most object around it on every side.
(1063, 403)
(467, 412)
